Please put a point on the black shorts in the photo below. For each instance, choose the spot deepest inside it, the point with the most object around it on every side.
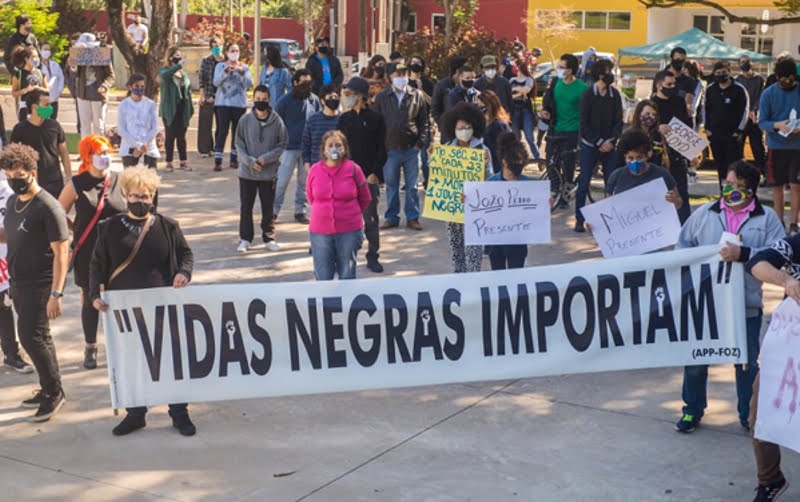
(783, 166)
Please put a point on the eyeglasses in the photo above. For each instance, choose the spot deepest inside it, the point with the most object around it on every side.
(140, 197)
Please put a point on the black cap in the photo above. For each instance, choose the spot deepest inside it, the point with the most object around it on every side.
(456, 62)
(358, 85)
(322, 39)
(393, 67)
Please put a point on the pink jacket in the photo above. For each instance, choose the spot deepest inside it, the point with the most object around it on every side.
(337, 195)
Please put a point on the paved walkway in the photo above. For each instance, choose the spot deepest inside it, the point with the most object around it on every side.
(596, 437)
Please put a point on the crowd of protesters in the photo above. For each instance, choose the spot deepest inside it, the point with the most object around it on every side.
(343, 139)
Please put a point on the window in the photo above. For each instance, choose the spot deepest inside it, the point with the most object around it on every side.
(410, 25)
(758, 39)
(713, 25)
(598, 20)
(437, 21)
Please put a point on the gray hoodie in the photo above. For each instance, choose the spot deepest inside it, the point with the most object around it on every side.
(265, 141)
(760, 229)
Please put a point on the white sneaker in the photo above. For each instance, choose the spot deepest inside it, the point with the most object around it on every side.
(243, 246)
(272, 246)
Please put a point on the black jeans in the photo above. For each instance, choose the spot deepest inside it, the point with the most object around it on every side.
(90, 317)
(565, 144)
(176, 132)
(248, 189)
(34, 334)
(726, 150)
(55, 110)
(175, 410)
(227, 119)
(679, 169)
(755, 135)
(371, 231)
(8, 334)
(507, 256)
(53, 187)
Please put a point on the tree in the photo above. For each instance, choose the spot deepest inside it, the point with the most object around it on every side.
(457, 14)
(162, 35)
(552, 27)
(791, 9)
(45, 24)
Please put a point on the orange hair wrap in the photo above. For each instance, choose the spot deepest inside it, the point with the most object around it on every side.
(91, 145)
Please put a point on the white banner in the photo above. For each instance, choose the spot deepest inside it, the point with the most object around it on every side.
(205, 343)
(685, 140)
(778, 393)
(634, 222)
(507, 212)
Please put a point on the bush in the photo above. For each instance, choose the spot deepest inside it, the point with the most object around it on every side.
(45, 25)
(470, 41)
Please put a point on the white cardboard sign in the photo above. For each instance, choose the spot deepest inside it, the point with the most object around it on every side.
(506, 212)
(685, 140)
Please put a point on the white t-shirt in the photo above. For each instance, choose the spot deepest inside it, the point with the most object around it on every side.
(139, 33)
(5, 194)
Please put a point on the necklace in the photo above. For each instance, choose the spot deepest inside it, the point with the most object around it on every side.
(18, 211)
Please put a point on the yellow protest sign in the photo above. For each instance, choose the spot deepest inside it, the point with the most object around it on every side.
(450, 167)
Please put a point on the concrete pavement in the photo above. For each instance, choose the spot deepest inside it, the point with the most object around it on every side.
(594, 437)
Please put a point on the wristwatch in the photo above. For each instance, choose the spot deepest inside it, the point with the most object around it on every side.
(56, 294)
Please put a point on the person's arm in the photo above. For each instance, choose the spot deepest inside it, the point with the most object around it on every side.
(586, 120)
(687, 238)
(766, 121)
(99, 269)
(125, 134)
(108, 82)
(310, 189)
(275, 153)
(67, 199)
(381, 154)
(364, 195)
(337, 72)
(248, 81)
(422, 124)
(185, 259)
(168, 71)
(744, 108)
(220, 74)
(305, 142)
(241, 145)
(150, 134)
(60, 266)
(66, 163)
(16, 87)
(437, 102)
(768, 266)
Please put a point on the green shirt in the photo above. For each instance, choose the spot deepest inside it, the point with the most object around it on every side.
(568, 105)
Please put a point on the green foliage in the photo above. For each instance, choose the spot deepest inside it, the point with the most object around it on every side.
(45, 24)
(469, 40)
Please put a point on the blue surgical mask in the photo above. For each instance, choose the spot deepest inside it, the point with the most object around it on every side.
(636, 166)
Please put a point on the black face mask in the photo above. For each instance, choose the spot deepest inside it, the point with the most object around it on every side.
(333, 104)
(467, 84)
(416, 68)
(607, 78)
(721, 79)
(380, 70)
(140, 209)
(677, 64)
(669, 91)
(261, 106)
(175, 60)
(324, 50)
(746, 66)
(20, 186)
(303, 90)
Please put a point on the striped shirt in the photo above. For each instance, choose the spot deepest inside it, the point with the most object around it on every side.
(316, 127)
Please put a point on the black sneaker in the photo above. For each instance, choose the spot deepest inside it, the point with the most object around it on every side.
(375, 266)
(301, 218)
(49, 407)
(770, 492)
(184, 425)
(579, 227)
(793, 229)
(687, 423)
(19, 364)
(35, 401)
(562, 204)
(745, 425)
(90, 358)
(129, 424)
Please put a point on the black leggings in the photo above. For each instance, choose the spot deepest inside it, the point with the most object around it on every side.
(90, 317)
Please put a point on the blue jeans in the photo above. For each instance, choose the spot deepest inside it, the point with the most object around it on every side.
(335, 254)
(522, 119)
(695, 378)
(408, 159)
(291, 159)
(589, 158)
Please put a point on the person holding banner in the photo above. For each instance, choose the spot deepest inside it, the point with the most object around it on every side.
(466, 123)
(338, 193)
(96, 194)
(141, 250)
(778, 265)
(738, 211)
(512, 157)
(636, 149)
(92, 84)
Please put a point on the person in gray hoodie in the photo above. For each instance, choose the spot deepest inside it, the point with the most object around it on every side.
(739, 212)
(261, 139)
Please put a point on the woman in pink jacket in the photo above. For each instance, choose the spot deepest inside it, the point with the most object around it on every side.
(338, 193)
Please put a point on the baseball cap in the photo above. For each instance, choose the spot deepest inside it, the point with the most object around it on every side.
(358, 85)
(488, 61)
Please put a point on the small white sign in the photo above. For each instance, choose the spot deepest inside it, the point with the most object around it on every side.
(685, 140)
(506, 212)
(634, 222)
(778, 396)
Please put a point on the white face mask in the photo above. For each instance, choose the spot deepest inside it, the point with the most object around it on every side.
(464, 135)
(46, 54)
(233, 56)
(349, 101)
(490, 73)
(101, 162)
(400, 83)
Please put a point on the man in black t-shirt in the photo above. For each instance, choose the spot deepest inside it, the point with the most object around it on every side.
(47, 138)
(38, 251)
(685, 85)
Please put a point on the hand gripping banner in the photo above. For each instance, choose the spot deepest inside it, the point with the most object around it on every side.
(221, 342)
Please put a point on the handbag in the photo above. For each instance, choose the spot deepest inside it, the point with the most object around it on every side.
(85, 235)
(122, 266)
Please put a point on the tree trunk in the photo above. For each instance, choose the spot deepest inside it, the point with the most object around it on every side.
(448, 21)
(307, 27)
(161, 35)
(362, 25)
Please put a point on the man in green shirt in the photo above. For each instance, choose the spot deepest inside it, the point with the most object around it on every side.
(561, 108)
